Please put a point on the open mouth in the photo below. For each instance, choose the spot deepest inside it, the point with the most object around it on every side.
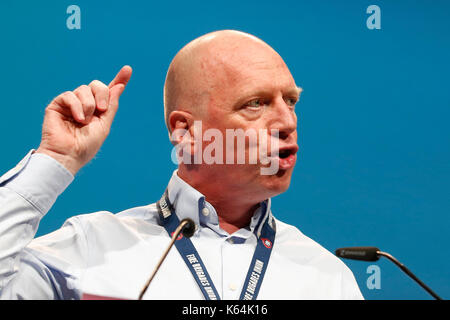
(286, 152)
(287, 157)
(283, 154)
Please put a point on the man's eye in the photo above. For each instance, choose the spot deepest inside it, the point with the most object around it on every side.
(291, 101)
(255, 104)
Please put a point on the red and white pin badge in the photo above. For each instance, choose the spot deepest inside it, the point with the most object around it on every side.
(267, 243)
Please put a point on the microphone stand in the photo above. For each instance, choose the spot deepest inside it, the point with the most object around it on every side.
(183, 224)
(409, 273)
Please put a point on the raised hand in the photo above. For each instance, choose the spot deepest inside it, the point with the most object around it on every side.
(76, 123)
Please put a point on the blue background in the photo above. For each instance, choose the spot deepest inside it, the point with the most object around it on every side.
(374, 163)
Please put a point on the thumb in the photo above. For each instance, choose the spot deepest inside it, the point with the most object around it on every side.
(114, 95)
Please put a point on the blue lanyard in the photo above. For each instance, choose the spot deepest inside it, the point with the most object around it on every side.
(195, 264)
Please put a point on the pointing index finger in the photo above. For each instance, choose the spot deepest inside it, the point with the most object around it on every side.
(122, 77)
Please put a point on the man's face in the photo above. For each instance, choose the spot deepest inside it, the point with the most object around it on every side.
(254, 90)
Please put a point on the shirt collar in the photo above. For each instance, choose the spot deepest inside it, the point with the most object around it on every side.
(190, 203)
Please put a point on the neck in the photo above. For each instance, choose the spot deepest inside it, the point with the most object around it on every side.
(233, 209)
(234, 217)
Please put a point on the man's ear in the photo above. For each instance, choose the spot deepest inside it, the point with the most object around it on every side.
(180, 123)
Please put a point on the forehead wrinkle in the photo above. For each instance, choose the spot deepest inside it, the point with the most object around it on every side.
(266, 83)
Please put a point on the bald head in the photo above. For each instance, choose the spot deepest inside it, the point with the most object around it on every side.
(205, 65)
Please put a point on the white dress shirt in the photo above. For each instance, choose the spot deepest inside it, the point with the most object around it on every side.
(114, 254)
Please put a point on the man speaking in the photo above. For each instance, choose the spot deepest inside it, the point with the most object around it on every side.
(224, 87)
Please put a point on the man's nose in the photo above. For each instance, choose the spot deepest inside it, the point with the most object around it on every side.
(285, 119)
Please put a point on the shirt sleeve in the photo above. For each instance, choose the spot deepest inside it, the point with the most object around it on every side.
(40, 270)
(350, 288)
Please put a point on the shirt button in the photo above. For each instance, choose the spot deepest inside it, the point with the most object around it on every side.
(205, 211)
(232, 286)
